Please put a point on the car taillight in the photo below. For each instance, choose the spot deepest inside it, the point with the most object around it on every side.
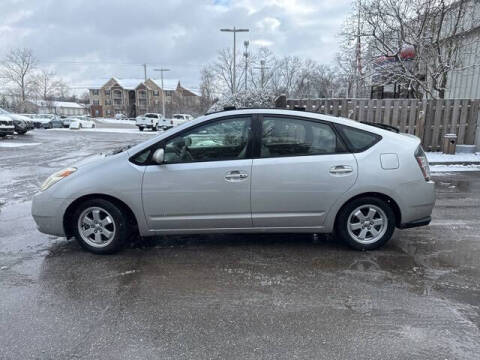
(423, 162)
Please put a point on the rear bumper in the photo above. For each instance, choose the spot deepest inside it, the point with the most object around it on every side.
(416, 223)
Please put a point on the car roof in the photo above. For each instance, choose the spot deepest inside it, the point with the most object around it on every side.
(298, 113)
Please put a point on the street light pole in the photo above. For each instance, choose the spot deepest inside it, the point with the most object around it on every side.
(234, 30)
(163, 91)
(246, 43)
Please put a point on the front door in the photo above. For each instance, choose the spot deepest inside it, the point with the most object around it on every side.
(302, 170)
(205, 181)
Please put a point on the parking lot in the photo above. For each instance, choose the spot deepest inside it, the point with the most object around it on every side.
(231, 296)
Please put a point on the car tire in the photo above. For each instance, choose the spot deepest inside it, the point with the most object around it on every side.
(23, 132)
(366, 223)
(100, 226)
(140, 128)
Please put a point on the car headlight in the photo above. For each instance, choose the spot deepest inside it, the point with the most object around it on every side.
(56, 177)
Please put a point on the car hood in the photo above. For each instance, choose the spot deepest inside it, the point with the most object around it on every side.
(101, 158)
(5, 118)
(18, 117)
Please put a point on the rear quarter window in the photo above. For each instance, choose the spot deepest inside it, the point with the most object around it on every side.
(358, 140)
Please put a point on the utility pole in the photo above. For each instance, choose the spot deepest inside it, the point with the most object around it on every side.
(234, 30)
(262, 72)
(145, 71)
(245, 53)
(163, 92)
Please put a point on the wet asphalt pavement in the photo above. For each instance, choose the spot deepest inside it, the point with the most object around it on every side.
(232, 296)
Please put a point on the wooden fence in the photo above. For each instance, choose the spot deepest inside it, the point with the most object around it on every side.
(430, 120)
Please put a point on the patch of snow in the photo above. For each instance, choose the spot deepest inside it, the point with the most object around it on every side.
(438, 157)
(16, 144)
(111, 130)
(453, 168)
(115, 121)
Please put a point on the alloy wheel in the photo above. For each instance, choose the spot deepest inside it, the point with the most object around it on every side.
(367, 224)
(96, 227)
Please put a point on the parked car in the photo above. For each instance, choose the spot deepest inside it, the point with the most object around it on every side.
(6, 125)
(179, 119)
(81, 123)
(245, 171)
(121, 116)
(21, 123)
(152, 121)
(68, 120)
(45, 121)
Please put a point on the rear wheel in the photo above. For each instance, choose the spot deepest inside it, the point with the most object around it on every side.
(140, 128)
(100, 226)
(365, 223)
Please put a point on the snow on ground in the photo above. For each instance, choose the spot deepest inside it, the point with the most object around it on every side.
(112, 130)
(438, 157)
(115, 121)
(16, 144)
(453, 168)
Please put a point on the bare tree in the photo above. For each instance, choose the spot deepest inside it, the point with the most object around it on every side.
(208, 88)
(48, 86)
(414, 44)
(17, 70)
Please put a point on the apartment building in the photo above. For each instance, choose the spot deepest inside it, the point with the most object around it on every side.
(133, 97)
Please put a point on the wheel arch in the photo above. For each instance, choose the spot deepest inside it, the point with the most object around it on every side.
(391, 202)
(68, 224)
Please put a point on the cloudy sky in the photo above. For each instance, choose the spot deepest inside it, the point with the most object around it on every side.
(86, 41)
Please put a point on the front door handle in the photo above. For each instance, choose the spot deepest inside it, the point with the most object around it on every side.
(341, 169)
(236, 175)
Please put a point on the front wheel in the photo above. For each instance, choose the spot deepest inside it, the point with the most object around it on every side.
(100, 226)
(365, 223)
(140, 128)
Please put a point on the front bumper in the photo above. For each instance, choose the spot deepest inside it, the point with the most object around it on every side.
(48, 211)
(7, 130)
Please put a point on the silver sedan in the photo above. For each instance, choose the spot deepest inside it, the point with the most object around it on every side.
(245, 171)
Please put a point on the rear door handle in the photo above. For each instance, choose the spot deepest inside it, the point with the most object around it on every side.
(341, 169)
(236, 175)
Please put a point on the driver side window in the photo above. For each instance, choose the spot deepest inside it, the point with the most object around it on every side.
(226, 139)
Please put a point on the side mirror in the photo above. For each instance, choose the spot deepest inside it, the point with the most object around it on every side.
(159, 156)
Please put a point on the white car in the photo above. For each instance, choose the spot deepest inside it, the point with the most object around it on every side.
(179, 119)
(245, 171)
(76, 124)
(152, 121)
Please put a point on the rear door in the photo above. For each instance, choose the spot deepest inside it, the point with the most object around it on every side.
(302, 169)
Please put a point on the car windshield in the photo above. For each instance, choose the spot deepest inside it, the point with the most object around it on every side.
(3, 111)
(150, 115)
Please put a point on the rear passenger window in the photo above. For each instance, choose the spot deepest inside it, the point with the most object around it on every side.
(296, 137)
(358, 140)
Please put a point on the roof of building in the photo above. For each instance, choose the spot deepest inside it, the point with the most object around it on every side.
(58, 104)
(132, 84)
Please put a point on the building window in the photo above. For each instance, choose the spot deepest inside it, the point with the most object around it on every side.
(107, 92)
(94, 91)
(117, 101)
(156, 93)
(96, 102)
(108, 102)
